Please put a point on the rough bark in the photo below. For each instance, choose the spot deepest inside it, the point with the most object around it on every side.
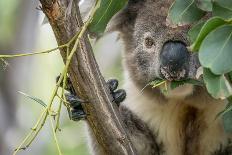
(102, 114)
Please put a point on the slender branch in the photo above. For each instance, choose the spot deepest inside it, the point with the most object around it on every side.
(33, 53)
(55, 137)
(29, 134)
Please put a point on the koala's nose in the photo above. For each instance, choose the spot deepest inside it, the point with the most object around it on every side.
(174, 59)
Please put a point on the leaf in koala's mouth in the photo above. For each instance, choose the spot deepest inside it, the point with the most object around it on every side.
(174, 84)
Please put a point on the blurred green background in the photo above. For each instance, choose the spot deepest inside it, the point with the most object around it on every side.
(21, 31)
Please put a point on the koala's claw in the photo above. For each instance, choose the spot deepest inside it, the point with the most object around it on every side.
(76, 111)
(77, 114)
(74, 101)
(112, 84)
(118, 95)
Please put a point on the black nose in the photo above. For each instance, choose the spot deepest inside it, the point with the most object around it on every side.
(174, 59)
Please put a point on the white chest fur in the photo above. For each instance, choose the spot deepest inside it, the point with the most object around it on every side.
(183, 126)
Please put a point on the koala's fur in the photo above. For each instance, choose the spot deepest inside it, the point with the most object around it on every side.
(180, 123)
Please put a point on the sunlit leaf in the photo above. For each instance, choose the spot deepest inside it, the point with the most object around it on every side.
(224, 12)
(194, 31)
(215, 51)
(217, 85)
(209, 26)
(184, 12)
(175, 84)
(224, 3)
(205, 5)
(104, 13)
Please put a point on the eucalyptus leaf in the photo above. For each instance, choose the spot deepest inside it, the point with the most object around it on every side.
(221, 11)
(205, 5)
(209, 26)
(175, 84)
(224, 3)
(34, 98)
(106, 10)
(194, 31)
(227, 119)
(230, 76)
(227, 109)
(215, 52)
(217, 85)
(184, 12)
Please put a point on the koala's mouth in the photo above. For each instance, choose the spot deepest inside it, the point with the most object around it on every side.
(180, 83)
(170, 75)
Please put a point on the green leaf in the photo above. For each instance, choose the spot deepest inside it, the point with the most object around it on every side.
(194, 31)
(104, 13)
(209, 26)
(34, 98)
(184, 12)
(228, 108)
(205, 5)
(215, 51)
(227, 117)
(224, 12)
(217, 85)
(230, 76)
(175, 84)
(227, 121)
(224, 3)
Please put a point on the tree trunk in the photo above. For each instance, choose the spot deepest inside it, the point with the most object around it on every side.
(102, 114)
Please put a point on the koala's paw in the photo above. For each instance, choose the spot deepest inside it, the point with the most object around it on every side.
(118, 95)
(76, 111)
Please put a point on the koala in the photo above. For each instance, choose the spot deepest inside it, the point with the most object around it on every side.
(180, 122)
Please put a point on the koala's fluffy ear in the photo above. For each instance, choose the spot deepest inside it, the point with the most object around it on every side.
(124, 20)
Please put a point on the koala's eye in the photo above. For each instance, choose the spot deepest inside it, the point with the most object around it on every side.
(149, 42)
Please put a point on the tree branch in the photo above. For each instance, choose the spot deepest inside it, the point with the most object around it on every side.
(102, 114)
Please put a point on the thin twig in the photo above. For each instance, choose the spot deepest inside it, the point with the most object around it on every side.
(33, 53)
(55, 137)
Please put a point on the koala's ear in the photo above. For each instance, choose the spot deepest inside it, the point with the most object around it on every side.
(125, 19)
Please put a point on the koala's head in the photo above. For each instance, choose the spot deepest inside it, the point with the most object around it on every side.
(153, 49)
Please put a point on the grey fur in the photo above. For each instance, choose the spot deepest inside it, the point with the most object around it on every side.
(141, 136)
(141, 19)
(193, 113)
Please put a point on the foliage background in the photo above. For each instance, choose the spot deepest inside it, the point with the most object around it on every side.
(21, 30)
